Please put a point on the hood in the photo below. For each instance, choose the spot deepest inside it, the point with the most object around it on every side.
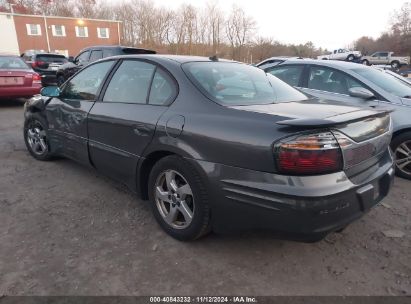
(67, 65)
(313, 112)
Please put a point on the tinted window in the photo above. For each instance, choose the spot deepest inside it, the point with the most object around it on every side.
(12, 63)
(130, 83)
(85, 84)
(239, 84)
(289, 74)
(386, 81)
(330, 80)
(384, 54)
(109, 52)
(83, 57)
(163, 89)
(51, 58)
(96, 55)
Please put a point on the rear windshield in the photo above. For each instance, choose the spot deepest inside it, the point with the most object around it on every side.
(236, 84)
(386, 81)
(12, 63)
(52, 58)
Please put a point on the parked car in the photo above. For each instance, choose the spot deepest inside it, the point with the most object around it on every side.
(358, 85)
(385, 58)
(272, 61)
(342, 54)
(93, 53)
(217, 145)
(46, 65)
(17, 79)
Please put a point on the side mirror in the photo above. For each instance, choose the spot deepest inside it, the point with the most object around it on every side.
(51, 91)
(361, 93)
(71, 59)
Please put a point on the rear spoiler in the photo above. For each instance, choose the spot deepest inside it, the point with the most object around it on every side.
(334, 120)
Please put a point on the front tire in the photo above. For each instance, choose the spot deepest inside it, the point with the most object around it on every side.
(36, 137)
(401, 145)
(365, 62)
(179, 199)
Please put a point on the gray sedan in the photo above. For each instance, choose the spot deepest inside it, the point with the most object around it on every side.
(357, 85)
(217, 145)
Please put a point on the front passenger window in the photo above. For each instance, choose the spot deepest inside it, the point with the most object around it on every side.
(330, 80)
(85, 85)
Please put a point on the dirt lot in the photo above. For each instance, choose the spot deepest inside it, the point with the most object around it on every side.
(66, 230)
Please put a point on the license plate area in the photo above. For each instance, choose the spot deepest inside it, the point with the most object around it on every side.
(11, 81)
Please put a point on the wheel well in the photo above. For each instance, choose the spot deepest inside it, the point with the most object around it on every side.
(145, 170)
(399, 132)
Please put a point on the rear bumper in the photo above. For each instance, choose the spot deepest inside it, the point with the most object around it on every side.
(295, 207)
(15, 92)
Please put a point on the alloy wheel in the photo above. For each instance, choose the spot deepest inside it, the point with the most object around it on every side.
(174, 199)
(403, 157)
(36, 138)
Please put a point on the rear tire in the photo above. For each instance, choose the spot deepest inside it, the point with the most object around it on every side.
(395, 65)
(36, 137)
(350, 58)
(401, 145)
(179, 199)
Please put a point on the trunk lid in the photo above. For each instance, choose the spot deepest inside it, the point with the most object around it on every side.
(368, 131)
(16, 78)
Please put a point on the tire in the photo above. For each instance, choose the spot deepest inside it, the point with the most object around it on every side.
(174, 172)
(36, 137)
(395, 65)
(401, 145)
(350, 58)
(365, 62)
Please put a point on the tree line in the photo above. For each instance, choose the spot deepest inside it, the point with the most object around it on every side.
(187, 30)
(397, 38)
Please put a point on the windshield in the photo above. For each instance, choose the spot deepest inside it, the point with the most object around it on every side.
(386, 81)
(12, 63)
(235, 84)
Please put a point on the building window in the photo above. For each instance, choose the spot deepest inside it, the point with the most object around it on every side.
(81, 31)
(58, 30)
(102, 32)
(33, 29)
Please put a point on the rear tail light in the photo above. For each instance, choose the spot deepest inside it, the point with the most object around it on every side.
(36, 78)
(37, 63)
(309, 154)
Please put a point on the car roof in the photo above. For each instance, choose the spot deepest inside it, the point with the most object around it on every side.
(49, 54)
(176, 58)
(329, 63)
(116, 47)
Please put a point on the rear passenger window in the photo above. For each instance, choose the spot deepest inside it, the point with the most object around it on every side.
(163, 89)
(130, 83)
(288, 74)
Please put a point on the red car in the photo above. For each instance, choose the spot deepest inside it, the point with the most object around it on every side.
(17, 79)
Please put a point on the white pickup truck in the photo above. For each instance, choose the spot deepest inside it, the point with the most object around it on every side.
(385, 58)
(341, 54)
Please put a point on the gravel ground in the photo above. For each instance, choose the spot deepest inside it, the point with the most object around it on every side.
(67, 230)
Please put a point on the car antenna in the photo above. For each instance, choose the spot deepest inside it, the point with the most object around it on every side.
(213, 58)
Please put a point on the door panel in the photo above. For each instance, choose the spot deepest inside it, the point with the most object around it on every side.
(123, 124)
(67, 114)
(119, 133)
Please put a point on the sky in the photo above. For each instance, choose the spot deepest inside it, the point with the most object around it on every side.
(329, 24)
